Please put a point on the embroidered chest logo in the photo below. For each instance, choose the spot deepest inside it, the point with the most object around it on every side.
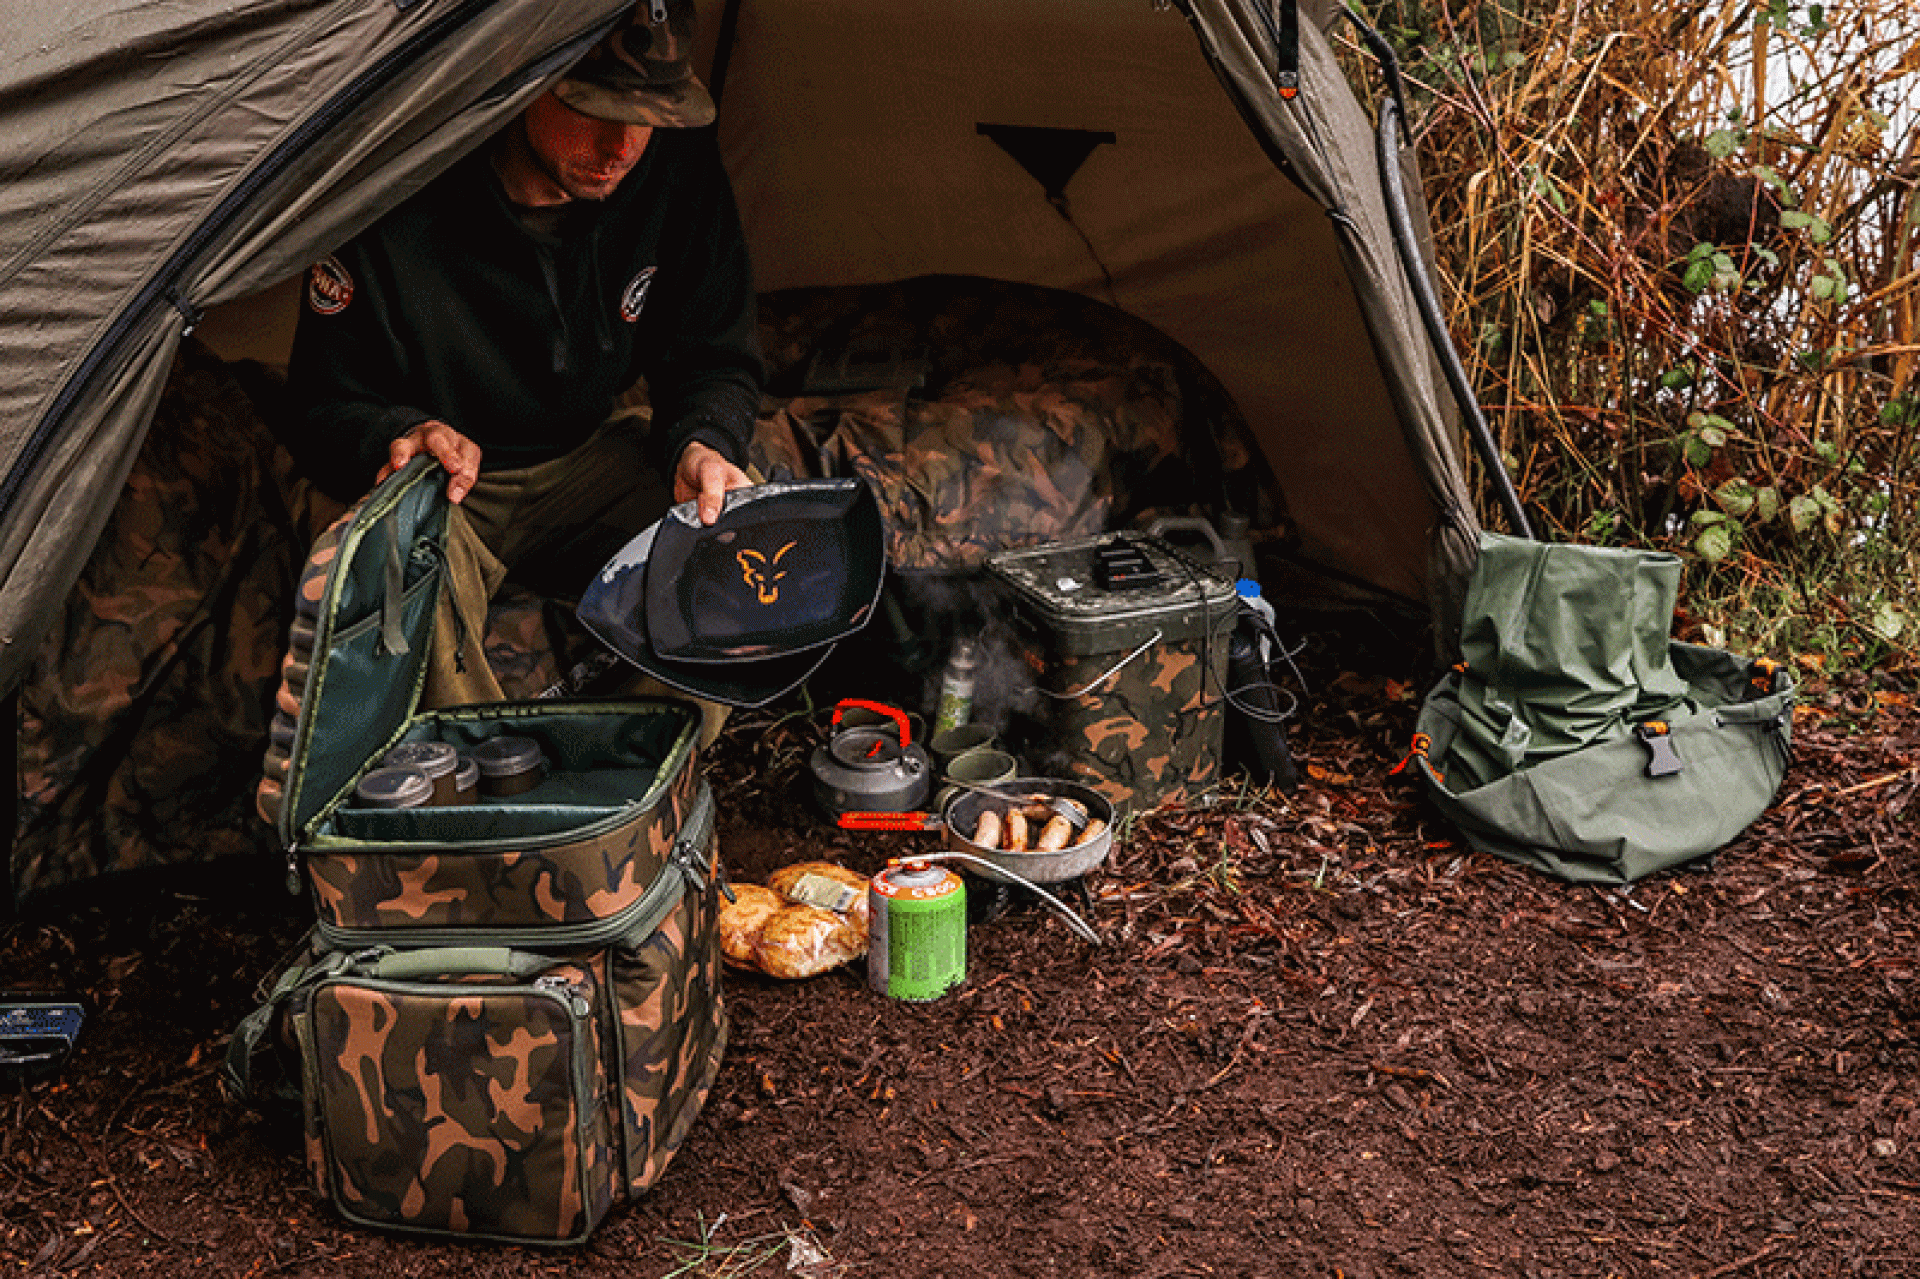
(760, 572)
(329, 287)
(635, 296)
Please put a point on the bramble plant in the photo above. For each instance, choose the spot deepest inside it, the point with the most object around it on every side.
(1680, 248)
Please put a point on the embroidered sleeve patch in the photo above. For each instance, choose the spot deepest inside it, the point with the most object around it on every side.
(329, 287)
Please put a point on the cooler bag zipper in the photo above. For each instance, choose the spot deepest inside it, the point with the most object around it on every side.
(686, 867)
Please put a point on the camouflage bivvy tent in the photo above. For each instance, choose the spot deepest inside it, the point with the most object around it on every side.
(1201, 168)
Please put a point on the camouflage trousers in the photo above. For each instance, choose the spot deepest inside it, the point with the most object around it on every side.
(551, 526)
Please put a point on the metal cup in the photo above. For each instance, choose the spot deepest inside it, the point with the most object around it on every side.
(952, 743)
(981, 766)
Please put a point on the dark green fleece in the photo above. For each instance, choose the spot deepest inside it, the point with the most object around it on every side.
(451, 307)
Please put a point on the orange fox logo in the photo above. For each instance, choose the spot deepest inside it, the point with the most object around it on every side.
(757, 569)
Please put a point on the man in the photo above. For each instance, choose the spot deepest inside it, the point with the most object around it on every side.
(491, 321)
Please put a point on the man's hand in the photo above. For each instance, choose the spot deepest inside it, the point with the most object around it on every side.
(454, 451)
(705, 474)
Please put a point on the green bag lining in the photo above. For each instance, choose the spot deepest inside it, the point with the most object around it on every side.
(605, 760)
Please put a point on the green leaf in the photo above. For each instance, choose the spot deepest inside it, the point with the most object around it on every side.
(1803, 513)
(1699, 276)
(1766, 504)
(1815, 226)
(1698, 451)
(1672, 379)
(1828, 452)
(1736, 497)
(1887, 622)
(1822, 288)
(1722, 143)
(1715, 542)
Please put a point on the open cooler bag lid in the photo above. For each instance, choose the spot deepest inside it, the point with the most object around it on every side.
(745, 609)
(1577, 737)
(373, 627)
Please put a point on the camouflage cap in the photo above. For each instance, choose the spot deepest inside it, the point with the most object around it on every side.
(641, 72)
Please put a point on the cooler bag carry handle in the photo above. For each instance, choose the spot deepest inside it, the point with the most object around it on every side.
(456, 961)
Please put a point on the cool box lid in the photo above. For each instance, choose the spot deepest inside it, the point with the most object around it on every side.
(1058, 585)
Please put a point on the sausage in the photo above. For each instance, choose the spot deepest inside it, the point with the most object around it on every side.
(1091, 831)
(987, 833)
(1055, 835)
(1016, 832)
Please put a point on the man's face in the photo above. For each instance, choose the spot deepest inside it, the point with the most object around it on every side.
(583, 156)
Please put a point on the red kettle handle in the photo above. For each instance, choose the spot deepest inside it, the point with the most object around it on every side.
(894, 713)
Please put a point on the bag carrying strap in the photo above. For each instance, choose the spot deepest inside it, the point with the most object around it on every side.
(236, 1073)
(455, 961)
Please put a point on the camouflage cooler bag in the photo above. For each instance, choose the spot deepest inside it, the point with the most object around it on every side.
(509, 1012)
(503, 1092)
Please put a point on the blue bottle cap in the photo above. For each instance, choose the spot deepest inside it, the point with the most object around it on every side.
(1247, 589)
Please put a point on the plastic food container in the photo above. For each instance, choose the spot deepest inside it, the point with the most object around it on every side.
(509, 766)
(401, 787)
(466, 781)
(438, 760)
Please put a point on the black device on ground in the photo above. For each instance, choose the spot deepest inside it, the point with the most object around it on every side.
(37, 1033)
(1256, 737)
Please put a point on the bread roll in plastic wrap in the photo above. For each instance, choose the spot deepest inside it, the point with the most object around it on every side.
(799, 941)
(825, 885)
(809, 917)
(742, 919)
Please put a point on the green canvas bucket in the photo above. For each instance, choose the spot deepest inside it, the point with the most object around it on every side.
(1576, 737)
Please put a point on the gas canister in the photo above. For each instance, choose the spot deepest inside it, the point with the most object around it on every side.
(916, 931)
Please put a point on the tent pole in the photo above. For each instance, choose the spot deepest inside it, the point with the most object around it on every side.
(1387, 153)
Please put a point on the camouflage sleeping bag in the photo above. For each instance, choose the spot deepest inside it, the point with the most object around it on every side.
(989, 416)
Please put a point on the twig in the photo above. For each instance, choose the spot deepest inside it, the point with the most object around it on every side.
(1740, 1263)
(1871, 784)
(969, 1166)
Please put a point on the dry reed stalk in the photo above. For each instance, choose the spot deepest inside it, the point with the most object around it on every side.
(1682, 277)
